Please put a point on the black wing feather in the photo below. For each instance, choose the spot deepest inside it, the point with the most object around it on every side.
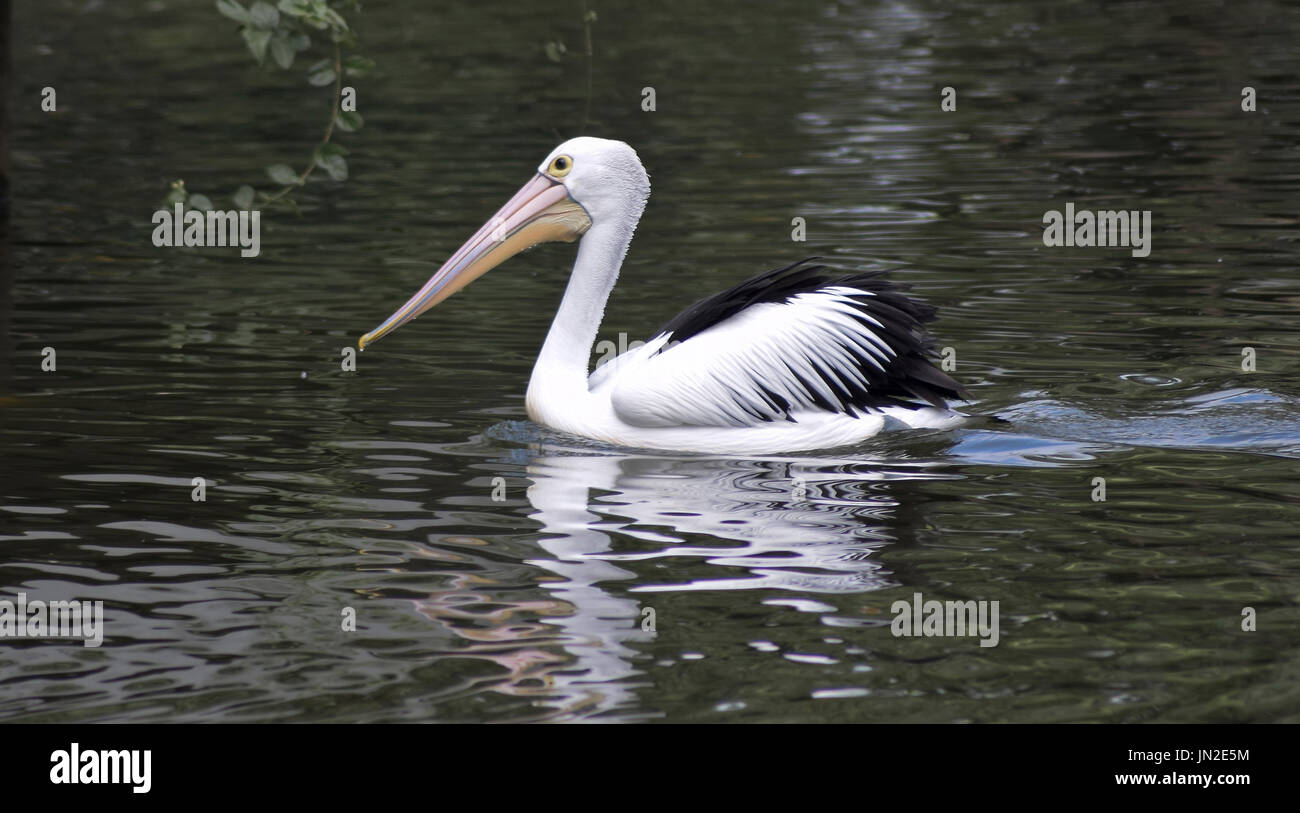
(908, 380)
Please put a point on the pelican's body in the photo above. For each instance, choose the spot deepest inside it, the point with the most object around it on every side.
(795, 359)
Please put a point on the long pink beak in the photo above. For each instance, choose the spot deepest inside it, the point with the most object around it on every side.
(540, 212)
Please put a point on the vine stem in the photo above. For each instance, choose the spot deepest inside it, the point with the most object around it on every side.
(329, 129)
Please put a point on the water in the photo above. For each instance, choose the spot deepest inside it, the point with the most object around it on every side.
(769, 581)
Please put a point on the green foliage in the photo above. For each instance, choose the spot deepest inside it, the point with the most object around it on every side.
(284, 30)
(321, 73)
(243, 197)
(329, 157)
(282, 174)
(177, 193)
(348, 121)
(257, 39)
(358, 65)
(555, 50)
(287, 27)
(235, 11)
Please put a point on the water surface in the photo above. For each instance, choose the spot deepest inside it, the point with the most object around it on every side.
(503, 573)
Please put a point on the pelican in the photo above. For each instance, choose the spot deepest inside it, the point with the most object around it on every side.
(799, 358)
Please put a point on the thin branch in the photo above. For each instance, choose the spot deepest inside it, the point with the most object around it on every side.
(329, 129)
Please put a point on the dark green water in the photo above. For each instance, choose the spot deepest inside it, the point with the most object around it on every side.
(375, 489)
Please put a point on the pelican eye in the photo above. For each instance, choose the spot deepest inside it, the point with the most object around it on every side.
(560, 166)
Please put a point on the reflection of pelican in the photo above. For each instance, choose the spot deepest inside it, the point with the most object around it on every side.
(799, 522)
(781, 528)
(795, 358)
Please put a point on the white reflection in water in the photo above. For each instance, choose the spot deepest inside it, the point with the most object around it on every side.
(795, 524)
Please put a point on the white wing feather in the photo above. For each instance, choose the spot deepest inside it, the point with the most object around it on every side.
(809, 348)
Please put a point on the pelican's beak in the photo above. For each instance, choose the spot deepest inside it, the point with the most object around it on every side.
(540, 212)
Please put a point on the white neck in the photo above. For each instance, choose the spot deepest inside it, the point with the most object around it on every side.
(558, 387)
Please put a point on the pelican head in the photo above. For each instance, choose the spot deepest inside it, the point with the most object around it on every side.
(583, 182)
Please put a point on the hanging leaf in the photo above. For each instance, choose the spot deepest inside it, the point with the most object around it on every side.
(176, 193)
(349, 121)
(282, 52)
(321, 73)
(257, 39)
(234, 11)
(264, 15)
(243, 197)
(282, 174)
(333, 19)
(358, 66)
(332, 163)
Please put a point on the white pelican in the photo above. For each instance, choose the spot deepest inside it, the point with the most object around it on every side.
(795, 359)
